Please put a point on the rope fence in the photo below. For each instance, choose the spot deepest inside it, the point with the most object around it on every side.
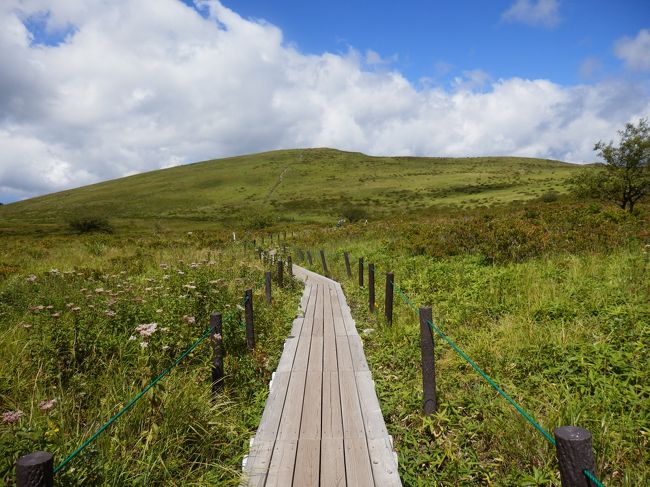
(570, 454)
(40, 465)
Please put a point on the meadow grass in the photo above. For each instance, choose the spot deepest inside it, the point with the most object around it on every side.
(71, 308)
(565, 332)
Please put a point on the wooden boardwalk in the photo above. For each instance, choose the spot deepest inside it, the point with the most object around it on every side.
(322, 425)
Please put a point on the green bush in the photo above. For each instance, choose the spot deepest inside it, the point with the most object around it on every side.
(90, 224)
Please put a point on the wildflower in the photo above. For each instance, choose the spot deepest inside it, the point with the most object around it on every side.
(144, 344)
(99, 290)
(147, 329)
(164, 329)
(189, 234)
(49, 306)
(166, 277)
(190, 320)
(194, 265)
(31, 278)
(240, 307)
(164, 266)
(165, 347)
(132, 337)
(75, 309)
(110, 313)
(54, 271)
(111, 302)
(148, 289)
(11, 417)
(56, 315)
(24, 325)
(189, 286)
(46, 405)
(159, 310)
(180, 272)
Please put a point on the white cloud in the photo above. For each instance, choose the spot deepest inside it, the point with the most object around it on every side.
(544, 13)
(635, 52)
(149, 84)
(590, 67)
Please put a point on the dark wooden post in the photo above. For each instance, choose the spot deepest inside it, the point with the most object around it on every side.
(309, 258)
(574, 454)
(324, 262)
(280, 273)
(35, 470)
(371, 288)
(285, 234)
(428, 362)
(289, 266)
(388, 305)
(360, 271)
(250, 330)
(301, 255)
(348, 270)
(216, 337)
(267, 286)
(262, 239)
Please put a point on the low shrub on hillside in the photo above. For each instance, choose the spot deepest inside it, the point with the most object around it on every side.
(90, 224)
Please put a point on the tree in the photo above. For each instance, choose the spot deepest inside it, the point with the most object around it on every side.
(625, 178)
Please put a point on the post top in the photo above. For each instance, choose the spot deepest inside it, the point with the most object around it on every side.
(36, 458)
(572, 433)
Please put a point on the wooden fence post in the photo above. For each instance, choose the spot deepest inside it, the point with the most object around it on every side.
(574, 455)
(280, 273)
(324, 262)
(250, 330)
(309, 258)
(35, 470)
(347, 264)
(289, 266)
(371, 287)
(360, 271)
(428, 363)
(388, 305)
(301, 255)
(216, 337)
(267, 286)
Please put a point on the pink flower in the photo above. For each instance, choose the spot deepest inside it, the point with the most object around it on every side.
(46, 405)
(147, 329)
(11, 417)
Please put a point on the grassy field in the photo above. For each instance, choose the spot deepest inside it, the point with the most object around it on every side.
(293, 186)
(548, 294)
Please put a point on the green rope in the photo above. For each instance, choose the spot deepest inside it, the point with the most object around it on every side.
(528, 417)
(132, 402)
(593, 478)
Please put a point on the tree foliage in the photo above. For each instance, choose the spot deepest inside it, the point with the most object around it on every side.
(625, 178)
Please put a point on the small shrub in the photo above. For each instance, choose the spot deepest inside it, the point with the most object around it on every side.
(550, 197)
(354, 214)
(89, 224)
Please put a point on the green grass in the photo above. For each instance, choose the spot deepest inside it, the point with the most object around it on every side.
(548, 295)
(317, 185)
(564, 331)
(69, 308)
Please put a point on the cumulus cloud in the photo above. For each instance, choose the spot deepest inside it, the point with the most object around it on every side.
(544, 13)
(635, 53)
(137, 86)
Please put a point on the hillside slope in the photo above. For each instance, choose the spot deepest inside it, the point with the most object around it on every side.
(303, 185)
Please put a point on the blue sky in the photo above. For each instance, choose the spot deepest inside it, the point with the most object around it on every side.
(440, 40)
(94, 89)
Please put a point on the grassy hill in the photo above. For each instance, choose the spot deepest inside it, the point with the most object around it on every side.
(316, 185)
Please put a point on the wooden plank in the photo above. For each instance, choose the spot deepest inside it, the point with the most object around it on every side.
(384, 466)
(310, 425)
(289, 428)
(339, 324)
(288, 354)
(357, 463)
(329, 336)
(350, 326)
(270, 422)
(343, 356)
(356, 350)
(373, 419)
(351, 410)
(332, 470)
(307, 471)
(317, 329)
(316, 354)
(257, 465)
(282, 464)
(332, 421)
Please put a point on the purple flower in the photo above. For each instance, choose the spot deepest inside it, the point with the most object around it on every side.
(46, 405)
(11, 417)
